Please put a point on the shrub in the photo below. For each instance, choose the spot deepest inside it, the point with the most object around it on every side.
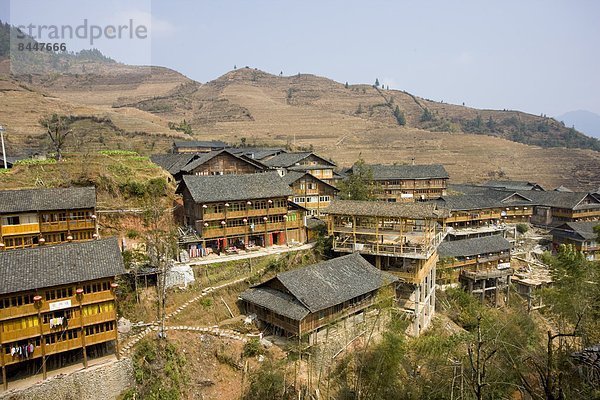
(118, 153)
(34, 161)
(522, 228)
(253, 348)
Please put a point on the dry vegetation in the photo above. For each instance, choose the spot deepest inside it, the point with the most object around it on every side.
(300, 110)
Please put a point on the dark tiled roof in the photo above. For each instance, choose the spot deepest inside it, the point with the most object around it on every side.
(585, 229)
(313, 223)
(384, 209)
(335, 281)
(478, 197)
(203, 158)
(567, 200)
(514, 185)
(292, 176)
(47, 266)
(430, 171)
(486, 199)
(173, 163)
(290, 159)
(257, 153)
(472, 247)
(72, 198)
(206, 189)
(216, 144)
(276, 301)
(562, 188)
(320, 286)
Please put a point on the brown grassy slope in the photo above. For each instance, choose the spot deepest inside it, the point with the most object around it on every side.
(309, 110)
(22, 104)
(319, 112)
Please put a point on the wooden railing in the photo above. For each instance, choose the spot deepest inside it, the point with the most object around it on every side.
(102, 337)
(414, 274)
(9, 360)
(66, 225)
(243, 213)
(20, 229)
(218, 232)
(400, 250)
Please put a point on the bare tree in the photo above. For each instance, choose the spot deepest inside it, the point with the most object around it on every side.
(58, 128)
(161, 247)
(479, 359)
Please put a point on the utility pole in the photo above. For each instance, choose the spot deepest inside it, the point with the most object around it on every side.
(3, 149)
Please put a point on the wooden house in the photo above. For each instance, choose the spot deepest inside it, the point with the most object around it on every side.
(194, 146)
(485, 212)
(470, 262)
(241, 211)
(301, 302)
(57, 303)
(408, 183)
(579, 234)
(33, 217)
(479, 206)
(553, 207)
(310, 192)
(401, 238)
(317, 166)
(220, 162)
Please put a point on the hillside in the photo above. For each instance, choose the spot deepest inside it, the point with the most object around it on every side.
(136, 104)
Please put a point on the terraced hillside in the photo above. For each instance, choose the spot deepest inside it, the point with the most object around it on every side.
(341, 122)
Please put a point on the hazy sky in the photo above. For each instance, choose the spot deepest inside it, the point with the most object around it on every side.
(535, 56)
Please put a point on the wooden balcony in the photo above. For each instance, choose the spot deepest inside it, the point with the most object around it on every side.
(98, 318)
(100, 337)
(414, 274)
(10, 360)
(473, 217)
(22, 229)
(218, 232)
(30, 309)
(98, 297)
(64, 345)
(419, 245)
(244, 213)
(581, 214)
(60, 226)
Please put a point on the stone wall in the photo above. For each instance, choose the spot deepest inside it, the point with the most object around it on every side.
(104, 381)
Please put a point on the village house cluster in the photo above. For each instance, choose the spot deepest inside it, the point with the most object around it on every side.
(57, 300)
(57, 296)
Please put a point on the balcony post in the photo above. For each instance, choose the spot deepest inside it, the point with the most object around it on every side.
(2, 357)
(38, 305)
(80, 299)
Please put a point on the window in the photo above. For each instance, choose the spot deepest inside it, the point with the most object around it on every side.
(13, 220)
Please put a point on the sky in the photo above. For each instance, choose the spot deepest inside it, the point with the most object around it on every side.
(541, 57)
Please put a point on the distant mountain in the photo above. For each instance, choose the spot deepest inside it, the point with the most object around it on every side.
(583, 120)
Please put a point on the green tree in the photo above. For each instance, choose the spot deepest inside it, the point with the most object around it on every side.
(399, 115)
(359, 185)
(376, 82)
(268, 382)
(426, 115)
(359, 110)
(346, 85)
(491, 124)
